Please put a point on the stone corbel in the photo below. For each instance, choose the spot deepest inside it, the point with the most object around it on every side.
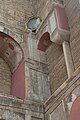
(61, 33)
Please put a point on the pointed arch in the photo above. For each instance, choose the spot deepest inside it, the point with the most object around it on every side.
(13, 55)
(44, 42)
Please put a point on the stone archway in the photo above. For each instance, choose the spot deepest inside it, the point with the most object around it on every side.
(13, 55)
(44, 42)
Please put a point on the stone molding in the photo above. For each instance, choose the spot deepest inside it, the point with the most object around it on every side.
(11, 102)
(62, 92)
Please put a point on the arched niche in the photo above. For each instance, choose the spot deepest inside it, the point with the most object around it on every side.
(10, 50)
(44, 42)
(12, 53)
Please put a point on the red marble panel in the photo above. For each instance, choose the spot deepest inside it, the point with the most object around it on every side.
(75, 111)
(18, 81)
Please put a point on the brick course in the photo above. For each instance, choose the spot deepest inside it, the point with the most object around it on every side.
(72, 8)
(56, 65)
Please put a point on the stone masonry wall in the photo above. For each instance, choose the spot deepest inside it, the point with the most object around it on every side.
(72, 8)
(5, 77)
(58, 113)
(44, 7)
(73, 13)
(15, 13)
(56, 65)
(13, 16)
(37, 84)
(10, 115)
